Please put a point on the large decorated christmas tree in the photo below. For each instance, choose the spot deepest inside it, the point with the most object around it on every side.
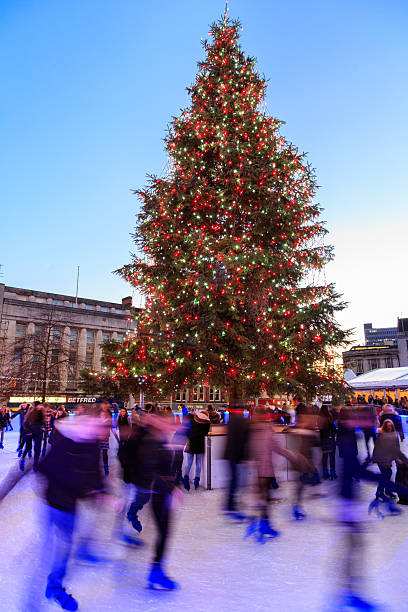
(229, 242)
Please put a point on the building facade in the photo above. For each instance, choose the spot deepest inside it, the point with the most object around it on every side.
(362, 359)
(53, 335)
(375, 336)
(402, 338)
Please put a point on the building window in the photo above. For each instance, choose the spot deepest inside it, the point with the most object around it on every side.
(71, 383)
(198, 394)
(74, 335)
(56, 332)
(18, 355)
(119, 311)
(214, 395)
(90, 337)
(181, 395)
(120, 337)
(20, 330)
(89, 359)
(38, 330)
(72, 357)
(388, 362)
(105, 336)
(57, 302)
(360, 367)
(104, 309)
(90, 307)
(373, 364)
(75, 305)
(54, 356)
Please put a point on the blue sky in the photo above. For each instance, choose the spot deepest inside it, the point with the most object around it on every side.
(89, 86)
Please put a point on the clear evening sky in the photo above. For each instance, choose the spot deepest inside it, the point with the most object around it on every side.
(88, 87)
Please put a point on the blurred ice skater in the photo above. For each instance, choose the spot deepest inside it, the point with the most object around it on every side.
(72, 471)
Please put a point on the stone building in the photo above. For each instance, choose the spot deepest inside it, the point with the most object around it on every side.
(74, 328)
(402, 339)
(362, 359)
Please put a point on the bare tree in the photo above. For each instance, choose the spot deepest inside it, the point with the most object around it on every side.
(45, 355)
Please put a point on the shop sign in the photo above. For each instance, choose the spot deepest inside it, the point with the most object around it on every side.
(33, 398)
(81, 400)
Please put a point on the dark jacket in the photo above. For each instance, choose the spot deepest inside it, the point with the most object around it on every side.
(328, 433)
(148, 462)
(195, 442)
(236, 447)
(72, 470)
(34, 428)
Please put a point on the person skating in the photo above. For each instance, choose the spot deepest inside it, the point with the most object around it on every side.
(72, 471)
(4, 418)
(263, 445)
(179, 441)
(122, 426)
(304, 438)
(236, 452)
(200, 426)
(389, 412)
(150, 462)
(386, 450)
(48, 424)
(106, 416)
(22, 411)
(33, 434)
(328, 432)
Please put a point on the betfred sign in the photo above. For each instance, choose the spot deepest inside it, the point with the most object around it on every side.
(82, 400)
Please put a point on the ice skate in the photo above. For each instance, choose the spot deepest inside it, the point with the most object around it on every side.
(196, 482)
(59, 595)
(266, 531)
(298, 513)
(252, 527)
(186, 482)
(21, 464)
(158, 579)
(136, 524)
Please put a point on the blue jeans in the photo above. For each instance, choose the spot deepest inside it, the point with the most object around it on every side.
(198, 464)
(60, 526)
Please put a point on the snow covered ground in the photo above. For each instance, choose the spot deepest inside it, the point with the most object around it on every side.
(217, 568)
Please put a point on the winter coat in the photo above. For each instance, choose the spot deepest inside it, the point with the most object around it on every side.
(123, 425)
(195, 442)
(328, 436)
(72, 468)
(392, 415)
(148, 462)
(303, 440)
(261, 447)
(387, 449)
(34, 428)
(236, 447)
(4, 419)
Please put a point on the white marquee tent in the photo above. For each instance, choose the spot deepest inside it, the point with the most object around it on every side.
(382, 378)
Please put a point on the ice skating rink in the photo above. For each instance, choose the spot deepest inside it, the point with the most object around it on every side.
(217, 569)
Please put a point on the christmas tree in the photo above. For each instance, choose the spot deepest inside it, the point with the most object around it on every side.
(228, 244)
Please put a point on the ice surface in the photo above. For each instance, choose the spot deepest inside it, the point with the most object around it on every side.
(217, 569)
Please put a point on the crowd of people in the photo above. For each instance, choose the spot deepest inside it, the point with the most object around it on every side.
(156, 453)
(398, 402)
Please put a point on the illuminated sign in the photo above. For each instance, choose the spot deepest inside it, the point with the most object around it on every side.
(32, 398)
(81, 400)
